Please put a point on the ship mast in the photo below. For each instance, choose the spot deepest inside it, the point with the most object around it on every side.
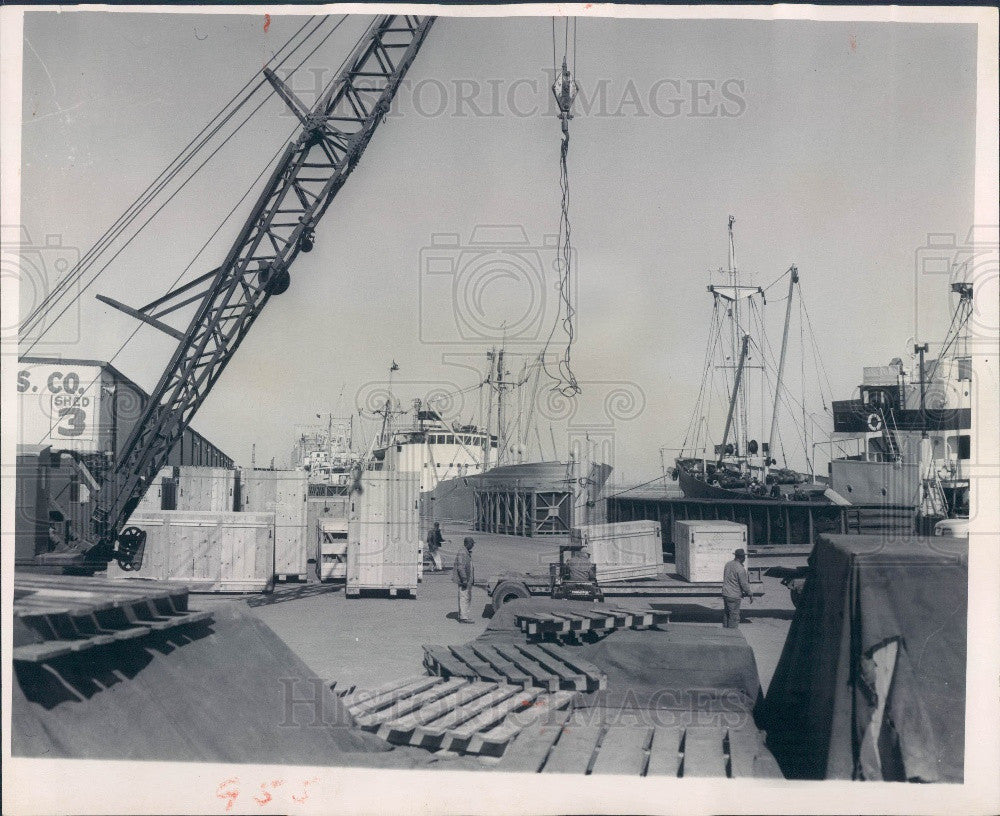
(732, 401)
(734, 281)
(793, 279)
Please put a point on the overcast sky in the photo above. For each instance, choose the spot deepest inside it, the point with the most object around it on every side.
(837, 147)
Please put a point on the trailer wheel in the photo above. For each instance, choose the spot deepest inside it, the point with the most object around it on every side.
(508, 591)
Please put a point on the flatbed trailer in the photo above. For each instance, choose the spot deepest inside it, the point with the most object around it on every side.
(509, 585)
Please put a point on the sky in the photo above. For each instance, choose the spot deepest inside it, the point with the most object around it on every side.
(837, 147)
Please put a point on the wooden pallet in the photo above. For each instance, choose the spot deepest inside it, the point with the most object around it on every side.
(67, 614)
(574, 746)
(458, 715)
(544, 665)
(598, 619)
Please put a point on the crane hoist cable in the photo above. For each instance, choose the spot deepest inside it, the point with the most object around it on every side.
(564, 89)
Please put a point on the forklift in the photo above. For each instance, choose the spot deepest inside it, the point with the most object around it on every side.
(574, 581)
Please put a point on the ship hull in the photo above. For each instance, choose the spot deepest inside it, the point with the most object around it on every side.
(454, 499)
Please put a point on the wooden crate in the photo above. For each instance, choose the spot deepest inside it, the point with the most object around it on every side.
(284, 493)
(622, 550)
(384, 548)
(152, 500)
(206, 489)
(211, 552)
(703, 547)
(458, 715)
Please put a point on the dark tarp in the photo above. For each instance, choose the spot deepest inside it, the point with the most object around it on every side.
(221, 691)
(682, 667)
(864, 594)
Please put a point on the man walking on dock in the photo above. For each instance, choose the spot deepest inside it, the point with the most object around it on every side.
(735, 587)
(465, 575)
(434, 542)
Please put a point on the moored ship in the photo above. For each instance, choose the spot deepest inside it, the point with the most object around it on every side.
(911, 427)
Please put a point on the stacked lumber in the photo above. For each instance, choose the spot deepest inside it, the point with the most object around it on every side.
(458, 715)
(57, 615)
(567, 743)
(544, 665)
(598, 619)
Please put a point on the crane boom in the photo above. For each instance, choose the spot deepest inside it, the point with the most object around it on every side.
(310, 172)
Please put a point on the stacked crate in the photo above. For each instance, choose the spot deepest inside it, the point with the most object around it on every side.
(384, 549)
(702, 548)
(284, 493)
(209, 551)
(622, 550)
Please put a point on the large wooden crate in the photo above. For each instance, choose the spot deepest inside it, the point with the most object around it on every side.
(622, 550)
(210, 552)
(206, 489)
(702, 547)
(284, 493)
(152, 499)
(384, 548)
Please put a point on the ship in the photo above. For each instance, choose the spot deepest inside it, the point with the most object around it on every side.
(909, 427)
(464, 465)
(325, 453)
(743, 465)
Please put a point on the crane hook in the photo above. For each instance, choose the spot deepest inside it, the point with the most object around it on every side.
(565, 89)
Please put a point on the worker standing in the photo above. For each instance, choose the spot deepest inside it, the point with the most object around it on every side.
(465, 575)
(735, 587)
(434, 542)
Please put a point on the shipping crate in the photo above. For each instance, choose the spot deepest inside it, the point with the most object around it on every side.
(702, 548)
(384, 547)
(206, 489)
(623, 550)
(210, 552)
(331, 549)
(152, 499)
(284, 493)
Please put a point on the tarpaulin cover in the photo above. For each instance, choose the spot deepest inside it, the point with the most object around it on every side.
(221, 691)
(684, 666)
(864, 593)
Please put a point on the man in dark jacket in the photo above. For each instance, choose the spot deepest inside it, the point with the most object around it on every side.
(434, 542)
(465, 576)
(735, 587)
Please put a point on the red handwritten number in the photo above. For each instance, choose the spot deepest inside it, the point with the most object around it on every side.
(305, 790)
(267, 22)
(230, 795)
(274, 783)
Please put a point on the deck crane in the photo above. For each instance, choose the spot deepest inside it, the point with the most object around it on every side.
(312, 169)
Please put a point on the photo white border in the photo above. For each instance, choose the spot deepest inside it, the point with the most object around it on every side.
(79, 786)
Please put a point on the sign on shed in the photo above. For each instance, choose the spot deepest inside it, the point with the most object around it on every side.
(59, 405)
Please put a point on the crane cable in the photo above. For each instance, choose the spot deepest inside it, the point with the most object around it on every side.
(141, 202)
(146, 198)
(564, 89)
